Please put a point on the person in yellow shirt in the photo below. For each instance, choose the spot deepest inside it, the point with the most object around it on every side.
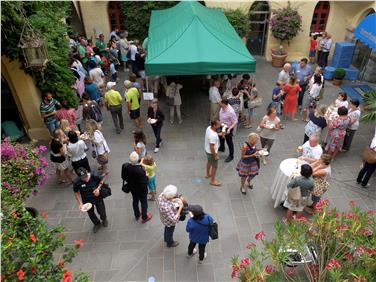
(113, 101)
(131, 97)
(149, 165)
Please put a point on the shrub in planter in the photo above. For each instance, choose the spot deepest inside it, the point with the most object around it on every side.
(344, 244)
(339, 73)
(239, 20)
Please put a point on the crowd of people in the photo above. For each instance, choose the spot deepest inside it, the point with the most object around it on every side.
(233, 100)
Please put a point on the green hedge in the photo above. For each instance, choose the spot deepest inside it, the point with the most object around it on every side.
(48, 19)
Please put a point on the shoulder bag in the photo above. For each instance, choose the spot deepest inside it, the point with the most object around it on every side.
(369, 155)
(105, 191)
(320, 186)
(212, 228)
(125, 187)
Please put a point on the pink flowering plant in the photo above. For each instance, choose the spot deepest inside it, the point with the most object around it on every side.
(285, 24)
(331, 246)
(23, 170)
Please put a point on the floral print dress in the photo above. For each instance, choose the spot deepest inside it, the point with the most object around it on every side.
(336, 134)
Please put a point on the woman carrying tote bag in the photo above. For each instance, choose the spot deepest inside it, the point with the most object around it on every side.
(100, 149)
(304, 183)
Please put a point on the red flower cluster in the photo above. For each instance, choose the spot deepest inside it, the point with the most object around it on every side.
(21, 274)
(235, 271)
(67, 276)
(245, 262)
(250, 246)
(269, 269)
(365, 231)
(302, 218)
(78, 243)
(260, 235)
(321, 204)
(33, 237)
(333, 263)
(45, 215)
(61, 264)
(34, 269)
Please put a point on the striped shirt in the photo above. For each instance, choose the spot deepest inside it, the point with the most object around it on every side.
(48, 108)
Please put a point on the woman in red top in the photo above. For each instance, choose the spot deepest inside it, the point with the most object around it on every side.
(289, 104)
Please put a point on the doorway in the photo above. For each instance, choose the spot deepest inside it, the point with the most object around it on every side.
(258, 24)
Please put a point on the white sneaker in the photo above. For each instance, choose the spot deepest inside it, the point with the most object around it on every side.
(202, 261)
(193, 253)
(156, 150)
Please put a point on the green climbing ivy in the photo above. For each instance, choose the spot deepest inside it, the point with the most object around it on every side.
(137, 16)
(48, 19)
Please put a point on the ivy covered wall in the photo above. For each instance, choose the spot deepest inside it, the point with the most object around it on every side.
(49, 19)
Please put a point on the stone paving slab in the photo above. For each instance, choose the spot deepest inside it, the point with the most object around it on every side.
(130, 251)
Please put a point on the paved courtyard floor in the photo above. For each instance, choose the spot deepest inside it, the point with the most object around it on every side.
(131, 251)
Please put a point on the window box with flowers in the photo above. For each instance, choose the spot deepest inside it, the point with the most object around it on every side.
(331, 246)
(285, 24)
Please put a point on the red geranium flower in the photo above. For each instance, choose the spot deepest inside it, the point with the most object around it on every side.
(342, 228)
(353, 203)
(260, 235)
(235, 271)
(21, 275)
(320, 205)
(78, 243)
(291, 271)
(302, 218)
(250, 246)
(333, 263)
(365, 231)
(269, 269)
(33, 237)
(67, 276)
(34, 269)
(371, 212)
(348, 256)
(244, 262)
(15, 215)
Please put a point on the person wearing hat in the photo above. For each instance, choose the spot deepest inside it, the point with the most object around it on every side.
(131, 97)
(137, 180)
(198, 229)
(155, 113)
(354, 116)
(113, 100)
(86, 189)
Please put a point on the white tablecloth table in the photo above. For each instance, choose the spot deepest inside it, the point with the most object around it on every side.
(286, 168)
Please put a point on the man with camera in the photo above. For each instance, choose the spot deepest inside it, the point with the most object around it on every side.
(170, 206)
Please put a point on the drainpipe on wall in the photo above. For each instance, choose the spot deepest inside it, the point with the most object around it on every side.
(81, 18)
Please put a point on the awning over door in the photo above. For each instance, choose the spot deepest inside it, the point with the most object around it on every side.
(366, 31)
(190, 39)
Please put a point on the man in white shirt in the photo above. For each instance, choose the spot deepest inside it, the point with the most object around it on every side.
(326, 49)
(215, 100)
(211, 149)
(134, 50)
(312, 150)
(97, 75)
(284, 74)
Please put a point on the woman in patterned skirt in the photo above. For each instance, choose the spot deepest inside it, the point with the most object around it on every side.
(248, 166)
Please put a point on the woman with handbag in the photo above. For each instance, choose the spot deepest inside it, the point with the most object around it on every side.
(299, 190)
(321, 172)
(174, 99)
(198, 228)
(369, 166)
(100, 149)
(249, 164)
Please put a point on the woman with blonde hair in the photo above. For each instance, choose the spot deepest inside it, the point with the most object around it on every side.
(64, 126)
(316, 123)
(100, 149)
(249, 164)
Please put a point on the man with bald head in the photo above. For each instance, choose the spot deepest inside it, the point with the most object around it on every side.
(311, 150)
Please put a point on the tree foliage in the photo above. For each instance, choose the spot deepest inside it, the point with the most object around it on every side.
(137, 16)
(239, 20)
(48, 19)
(370, 104)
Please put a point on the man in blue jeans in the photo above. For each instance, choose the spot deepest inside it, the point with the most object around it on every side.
(303, 73)
(48, 111)
(136, 178)
(170, 206)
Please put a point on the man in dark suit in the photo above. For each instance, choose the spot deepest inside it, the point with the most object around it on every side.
(137, 180)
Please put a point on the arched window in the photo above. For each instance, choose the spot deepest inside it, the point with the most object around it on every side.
(320, 16)
(115, 15)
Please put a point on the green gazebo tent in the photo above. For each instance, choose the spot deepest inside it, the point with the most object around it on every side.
(190, 39)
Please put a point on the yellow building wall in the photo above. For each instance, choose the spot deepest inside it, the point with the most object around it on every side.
(26, 96)
(95, 18)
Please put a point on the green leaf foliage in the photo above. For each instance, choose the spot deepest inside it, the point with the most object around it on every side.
(48, 18)
(239, 20)
(370, 104)
(137, 16)
(339, 73)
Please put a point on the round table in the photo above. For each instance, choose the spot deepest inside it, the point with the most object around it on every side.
(286, 168)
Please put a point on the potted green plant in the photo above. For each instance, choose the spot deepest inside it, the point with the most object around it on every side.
(285, 24)
(239, 20)
(331, 246)
(338, 76)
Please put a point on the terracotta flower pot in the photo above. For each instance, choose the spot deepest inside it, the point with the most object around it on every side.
(278, 60)
(337, 82)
